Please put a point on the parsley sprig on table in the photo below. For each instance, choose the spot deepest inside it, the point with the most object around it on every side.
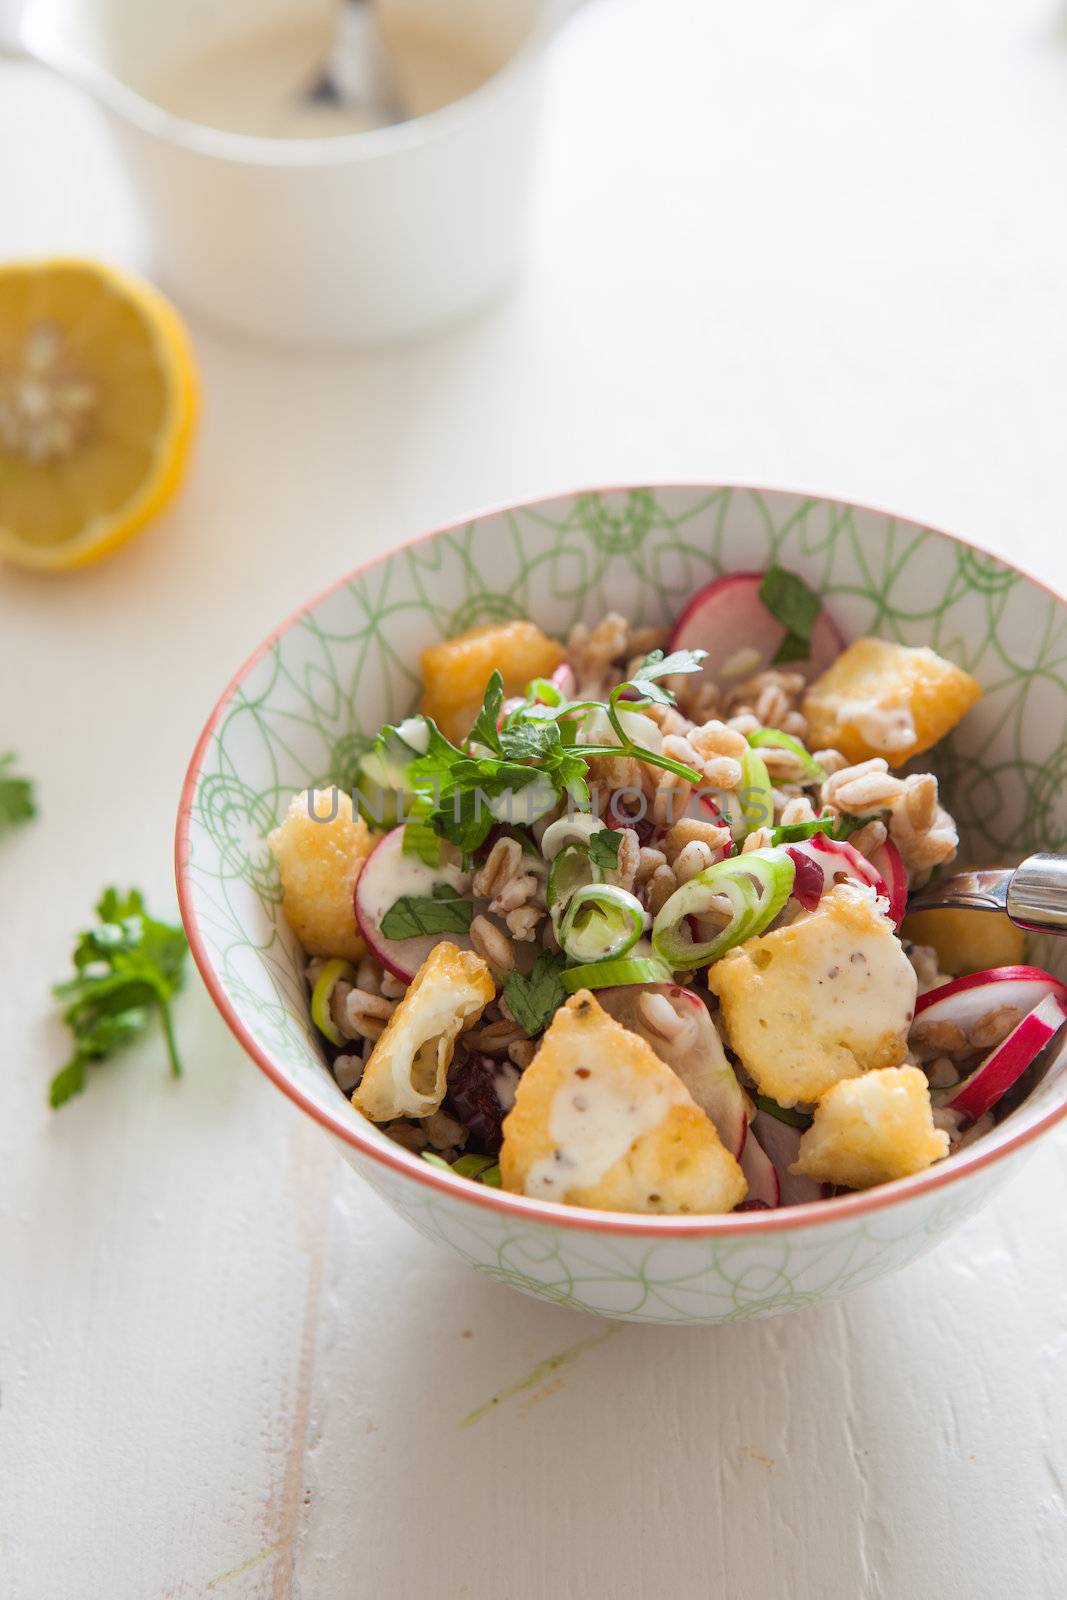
(17, 803)
(128, 968)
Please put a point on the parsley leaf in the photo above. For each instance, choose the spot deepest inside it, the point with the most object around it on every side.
(445, 911)
(796, 606)
(603, 848)
(127, 969)
(657, 665)
(533, 1000)
(17, 802)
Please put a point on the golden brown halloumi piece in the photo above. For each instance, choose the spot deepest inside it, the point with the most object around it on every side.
(319, 861)
(408, 1068)
(871, 1129)
(885, 699)
(599, 1120)
(827, 997)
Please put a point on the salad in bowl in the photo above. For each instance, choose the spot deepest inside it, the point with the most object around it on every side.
(617, 920)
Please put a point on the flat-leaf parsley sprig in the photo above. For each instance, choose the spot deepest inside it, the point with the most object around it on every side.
(532, 745)
(644, 688)
(127, 969)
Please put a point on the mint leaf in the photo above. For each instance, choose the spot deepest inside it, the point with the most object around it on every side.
(535, 999)
(127, 970)
(603, 848)
(17, 802)
(796, 606)
(412, 916)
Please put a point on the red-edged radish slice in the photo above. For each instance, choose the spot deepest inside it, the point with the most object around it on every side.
(888, 862)
(565, 681)
(837, 861)
(781, 1141)
(388, 874)
(761, 1176)
(967, 1000)
(995, 1075)
(729, 620)
(694, 1051)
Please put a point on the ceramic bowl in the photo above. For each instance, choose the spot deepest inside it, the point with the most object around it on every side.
(302, 708)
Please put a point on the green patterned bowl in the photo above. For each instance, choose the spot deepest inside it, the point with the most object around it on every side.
(300, 711)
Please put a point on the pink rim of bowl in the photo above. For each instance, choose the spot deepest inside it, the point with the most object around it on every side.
(814, 1213)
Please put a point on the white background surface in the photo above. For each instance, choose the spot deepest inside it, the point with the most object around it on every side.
(818, 245)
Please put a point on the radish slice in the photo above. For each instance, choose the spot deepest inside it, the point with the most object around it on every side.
(694, 1051)
(729, 620)
(995, 1075)
(888, 862)
(386, 875)
(761, 1175)
(836, 861)
(967, 1000)
(781, 1141)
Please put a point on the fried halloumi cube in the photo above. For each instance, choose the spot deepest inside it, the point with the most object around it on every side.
(885, 699)
(408, 1067)
(871, 1129)
(599, 1120)
(319, 861)
(455, 672)
(827, 997)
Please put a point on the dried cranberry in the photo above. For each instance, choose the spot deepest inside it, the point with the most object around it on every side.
(808, 882)
(472, 1099)
(628, 810)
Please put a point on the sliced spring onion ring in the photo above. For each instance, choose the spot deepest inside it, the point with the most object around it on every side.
(322, 993)
(601, 923)
(813, 773)
(612, 974)
(751, 805)
(757, 886)
(570, 871)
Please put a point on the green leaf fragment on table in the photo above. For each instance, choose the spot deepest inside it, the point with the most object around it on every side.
(412, 916)
(17, 803)
(127, 970)
(534, 999)
(796, 606)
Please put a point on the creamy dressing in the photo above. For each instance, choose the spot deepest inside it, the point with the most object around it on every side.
(865, 984)
(593, 1122)
(257, 83)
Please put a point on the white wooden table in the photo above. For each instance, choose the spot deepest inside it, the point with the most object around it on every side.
(822, 246)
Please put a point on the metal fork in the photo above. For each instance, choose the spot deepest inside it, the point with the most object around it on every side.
(1033, 894)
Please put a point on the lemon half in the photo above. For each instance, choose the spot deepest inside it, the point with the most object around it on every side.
(98, 402)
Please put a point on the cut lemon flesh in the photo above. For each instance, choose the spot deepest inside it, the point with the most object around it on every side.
(98, 401)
